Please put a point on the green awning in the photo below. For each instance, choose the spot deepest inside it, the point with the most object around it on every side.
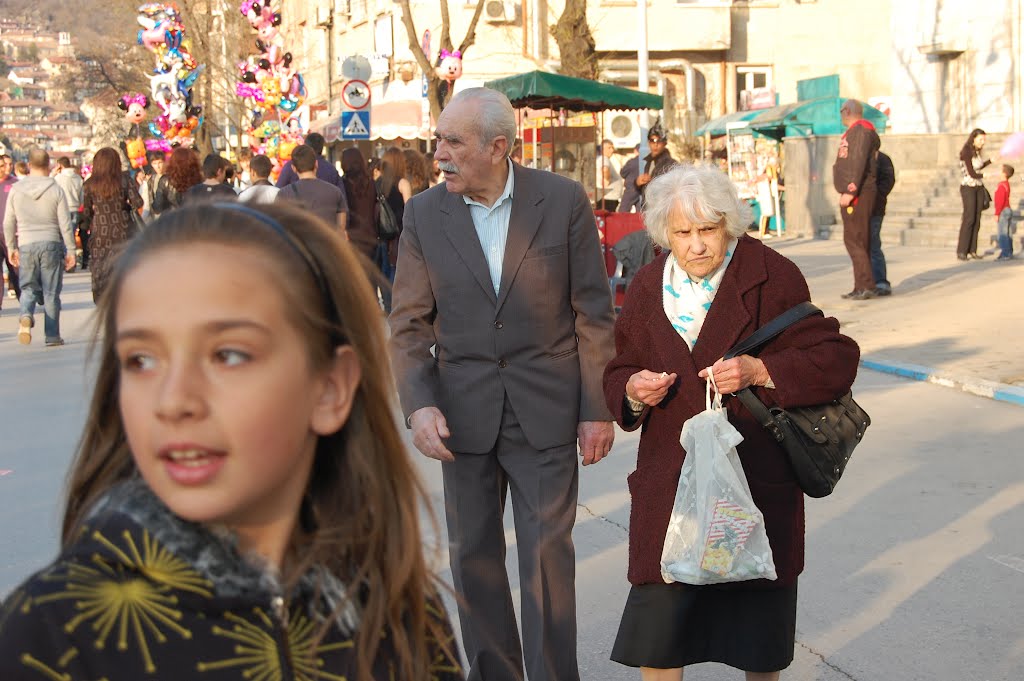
(716, 127)
(543, 90)
(811, 117)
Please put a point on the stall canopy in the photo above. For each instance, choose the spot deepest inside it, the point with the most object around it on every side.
(543, 90)
(810, 117)
(716, 127)
(819, 116)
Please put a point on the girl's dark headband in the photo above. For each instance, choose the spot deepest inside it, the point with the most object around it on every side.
(303, 253)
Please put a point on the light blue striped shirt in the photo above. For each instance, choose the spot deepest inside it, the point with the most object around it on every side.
(492, 227)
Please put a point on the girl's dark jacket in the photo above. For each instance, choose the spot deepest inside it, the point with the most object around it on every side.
(142, 594)
(810, 363)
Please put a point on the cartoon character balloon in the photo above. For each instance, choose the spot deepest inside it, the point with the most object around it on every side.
(449, 70)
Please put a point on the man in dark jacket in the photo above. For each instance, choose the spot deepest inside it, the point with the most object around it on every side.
(657, 162)
(853, 175)
(885, 181)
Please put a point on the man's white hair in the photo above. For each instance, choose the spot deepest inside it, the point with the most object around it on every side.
(497, 117)
(703, 194)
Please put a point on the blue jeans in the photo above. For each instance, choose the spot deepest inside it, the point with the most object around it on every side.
(1005, 233)
(42, 269)
(877, 257)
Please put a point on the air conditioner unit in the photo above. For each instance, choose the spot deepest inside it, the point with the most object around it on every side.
(324, 16)
(501, 11)
(622, 129)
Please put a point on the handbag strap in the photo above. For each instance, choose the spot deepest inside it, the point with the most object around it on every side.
(756, 340)
(772, 329)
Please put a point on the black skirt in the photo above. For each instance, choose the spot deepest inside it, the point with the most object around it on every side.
(665, 626)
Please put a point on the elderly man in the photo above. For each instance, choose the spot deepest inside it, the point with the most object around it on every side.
(37, 227)
(854, 177)
(500, 271)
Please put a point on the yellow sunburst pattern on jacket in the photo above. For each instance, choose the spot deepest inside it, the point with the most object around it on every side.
(257, 651)
(116, 601)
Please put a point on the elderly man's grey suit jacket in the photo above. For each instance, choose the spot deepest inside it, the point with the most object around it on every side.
(543, 340)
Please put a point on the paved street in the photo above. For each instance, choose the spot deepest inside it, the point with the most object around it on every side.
(915, 567)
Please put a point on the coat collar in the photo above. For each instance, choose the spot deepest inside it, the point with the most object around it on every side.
(727, 320)
(523, 224)
(131, 515)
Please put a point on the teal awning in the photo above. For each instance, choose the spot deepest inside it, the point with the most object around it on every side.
(811, 117)
(716, 127)
(543, 90)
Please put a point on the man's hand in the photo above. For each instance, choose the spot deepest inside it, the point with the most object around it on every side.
(845, 200)
(649, 387)
(643, 179)
(429, 429)
(596, 438)
(16, 258)
(69, 261)
(733, 375)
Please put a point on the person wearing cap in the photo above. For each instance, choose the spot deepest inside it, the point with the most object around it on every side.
(658, 162)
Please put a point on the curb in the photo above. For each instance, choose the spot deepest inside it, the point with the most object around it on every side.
(1001, 392)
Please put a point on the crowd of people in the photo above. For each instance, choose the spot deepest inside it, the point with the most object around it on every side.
(106, 205)
(241, 502)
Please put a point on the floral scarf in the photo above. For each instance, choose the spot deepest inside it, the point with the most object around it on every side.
(687, 301)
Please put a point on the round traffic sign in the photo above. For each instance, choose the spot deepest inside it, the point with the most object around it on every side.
(356, 94)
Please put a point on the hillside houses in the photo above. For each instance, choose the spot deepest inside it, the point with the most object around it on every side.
(32, 110)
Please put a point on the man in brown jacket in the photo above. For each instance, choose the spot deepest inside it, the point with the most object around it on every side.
(853, 175)
(500, 272)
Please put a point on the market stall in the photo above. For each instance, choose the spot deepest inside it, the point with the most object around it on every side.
(562, 144)
(752, 142)
(576, 156)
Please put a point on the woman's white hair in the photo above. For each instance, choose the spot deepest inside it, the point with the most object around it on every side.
(702, 193)
(497, 117)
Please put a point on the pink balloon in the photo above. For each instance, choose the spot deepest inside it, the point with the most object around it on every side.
(1013, 146)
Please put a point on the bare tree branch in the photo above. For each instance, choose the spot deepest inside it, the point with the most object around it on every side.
(434, 83)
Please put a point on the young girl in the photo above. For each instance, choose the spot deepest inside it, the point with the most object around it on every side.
(241, 505)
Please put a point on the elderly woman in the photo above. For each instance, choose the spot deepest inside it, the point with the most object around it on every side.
(711, 287)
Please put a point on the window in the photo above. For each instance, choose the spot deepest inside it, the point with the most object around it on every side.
(749, 78)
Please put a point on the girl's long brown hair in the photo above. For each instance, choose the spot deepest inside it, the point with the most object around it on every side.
(183, 170)
(105, 181)
(392, 169)
(364, 496)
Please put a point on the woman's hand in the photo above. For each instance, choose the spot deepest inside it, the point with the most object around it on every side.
(733, 375)
(649, 387)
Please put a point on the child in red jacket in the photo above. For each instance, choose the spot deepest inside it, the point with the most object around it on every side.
(1004, 214)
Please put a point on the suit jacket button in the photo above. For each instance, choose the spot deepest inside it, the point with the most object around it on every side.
(498, 325)
(502, 364)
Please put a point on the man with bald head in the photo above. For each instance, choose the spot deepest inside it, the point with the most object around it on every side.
(854, 176)
(500, 272)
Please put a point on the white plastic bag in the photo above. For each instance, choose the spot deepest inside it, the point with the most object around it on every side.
(716, 532)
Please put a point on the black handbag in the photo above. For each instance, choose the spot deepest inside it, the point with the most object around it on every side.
(986, 199)
(387, 223)
(818, 440)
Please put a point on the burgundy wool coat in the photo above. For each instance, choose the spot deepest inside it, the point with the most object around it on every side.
(810, 363)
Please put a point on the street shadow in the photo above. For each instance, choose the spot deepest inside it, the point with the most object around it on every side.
(942, 275)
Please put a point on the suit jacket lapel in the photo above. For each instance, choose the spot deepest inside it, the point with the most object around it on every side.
(523, 224)
(458, 226)
(728, 317)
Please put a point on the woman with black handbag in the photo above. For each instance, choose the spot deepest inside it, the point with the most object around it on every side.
(711, 286)
(973, 194)
(109, 200)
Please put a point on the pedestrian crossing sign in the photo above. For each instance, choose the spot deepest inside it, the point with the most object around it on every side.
(355, 125)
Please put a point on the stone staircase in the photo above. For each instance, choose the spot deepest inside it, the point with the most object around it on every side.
(924, 209)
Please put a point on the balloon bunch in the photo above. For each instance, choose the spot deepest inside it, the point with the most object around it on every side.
(176, 71)
(272, 89)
